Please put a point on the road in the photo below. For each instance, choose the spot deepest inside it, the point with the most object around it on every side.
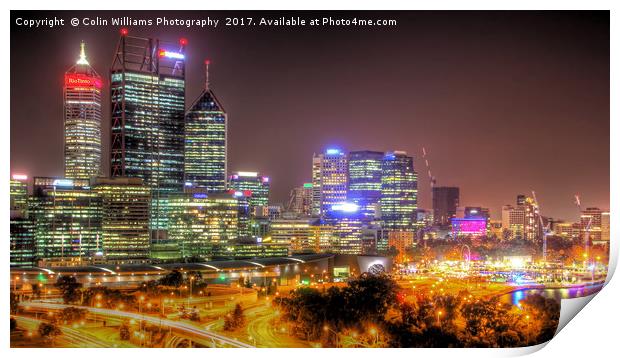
(206, 338)
(70, 337)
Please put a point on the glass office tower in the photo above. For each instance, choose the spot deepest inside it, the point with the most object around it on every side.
(205, 142)
(365, 169)
(399, 192)
(147, 93)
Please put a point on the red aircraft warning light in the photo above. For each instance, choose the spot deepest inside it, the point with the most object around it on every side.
(183, 41)
(124, 32)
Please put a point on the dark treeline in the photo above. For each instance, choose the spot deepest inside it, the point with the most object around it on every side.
(370, 311)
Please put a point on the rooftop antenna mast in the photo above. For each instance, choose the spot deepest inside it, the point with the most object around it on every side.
(207, 62)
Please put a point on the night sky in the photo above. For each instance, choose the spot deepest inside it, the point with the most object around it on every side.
(504, 102)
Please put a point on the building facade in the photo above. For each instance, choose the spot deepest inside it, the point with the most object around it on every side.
(329, 180)
(82, 120)
(300, 200)
(445, 204)
(125, 206)
(399, 192)
(206, 140)
(67, 221)
(199, 220)
(364, 181)
(22, 245)
(254, 186)
(147, 93)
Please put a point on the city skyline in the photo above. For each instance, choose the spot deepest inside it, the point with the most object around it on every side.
(523, 165)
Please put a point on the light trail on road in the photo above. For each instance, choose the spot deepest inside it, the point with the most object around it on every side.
(183, 327)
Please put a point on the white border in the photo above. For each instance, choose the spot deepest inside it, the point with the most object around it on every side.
(592, 333)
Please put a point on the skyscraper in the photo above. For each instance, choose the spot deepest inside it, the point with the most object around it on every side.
(329, 180)
(253, 184)
(125, 220)
(399, 192)
(445, 203)
(82, 120)
(147, 93)
(205, 141)
(364, 182)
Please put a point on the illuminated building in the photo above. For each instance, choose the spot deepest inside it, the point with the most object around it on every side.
(205, 142)
(237, 251)
(522, 221)
(322, 237)
(474, 227)
(296, 234)
(300, 201)
(198, 220)
(424, 218)
(445, 204)
(513, 222)
(594, 218)
(477, 212)
(19, 194)
(125, 220)
(329, 180)
(364, 181)
(531, 229)
(82, 120)
(605, 229)
(67, 221)
(147, 93)
(566, 230)
(347, 222)
(399, 192)
(22, 248)
(255, 185)
(400, 241)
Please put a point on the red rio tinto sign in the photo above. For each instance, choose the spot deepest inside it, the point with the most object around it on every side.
(78, 80)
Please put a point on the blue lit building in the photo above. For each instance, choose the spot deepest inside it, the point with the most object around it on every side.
(364, 181)
(329, 180)
(346, 220)
(399, 192)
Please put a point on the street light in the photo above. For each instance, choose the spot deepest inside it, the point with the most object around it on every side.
(327, 329)
(374, 332)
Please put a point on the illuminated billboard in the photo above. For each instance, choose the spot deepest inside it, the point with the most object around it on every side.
(77, 80)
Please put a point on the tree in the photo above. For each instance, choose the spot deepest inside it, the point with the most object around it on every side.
(68, 287)
(72, 314)
(14, 303)
(544, 315)
(49, 331)
(174, 279)
(123, 331)
(234, 319)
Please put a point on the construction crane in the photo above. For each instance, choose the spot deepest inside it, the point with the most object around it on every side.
(544, 229)
(431, 178)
